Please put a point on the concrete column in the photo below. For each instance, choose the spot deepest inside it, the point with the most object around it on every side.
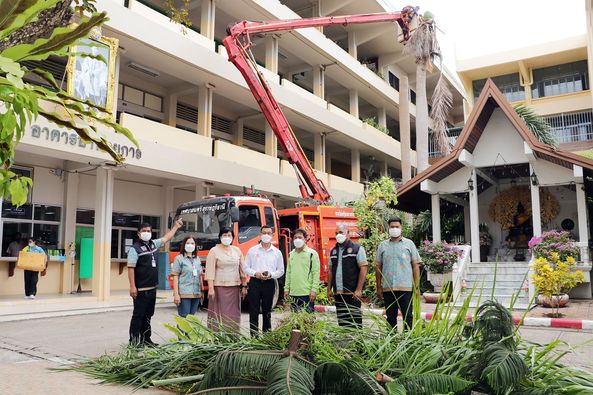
(436, 217)
(208, 18)
(271, 142)
(319, 152)
(589, 30)
(202, 190)
(69, 229)
(354, 103)
(170, 110)
(474, 216)
(384, 169)
(272, 53)
(169, 199)
(328, 162)
(102, 239)
(352, 46)
(238, 132)
(582, 220)
(205, 110)
(319, 81)
(116, 84)
(536, 214)
(355, 175)
(404, 127)
(382, 117)
(466, 225)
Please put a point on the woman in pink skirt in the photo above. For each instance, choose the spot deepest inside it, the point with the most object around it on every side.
(226, 284)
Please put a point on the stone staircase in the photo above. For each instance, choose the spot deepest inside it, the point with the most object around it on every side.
(510, 277)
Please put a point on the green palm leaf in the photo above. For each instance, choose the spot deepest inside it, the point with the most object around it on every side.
(503, 368)
(433, 383)
(494, 323)
(289, 377)
(537, 125)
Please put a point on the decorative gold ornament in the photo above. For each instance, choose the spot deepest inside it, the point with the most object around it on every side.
(503, 208)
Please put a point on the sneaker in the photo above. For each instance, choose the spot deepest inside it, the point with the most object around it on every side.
(32, 297)
(27, 297)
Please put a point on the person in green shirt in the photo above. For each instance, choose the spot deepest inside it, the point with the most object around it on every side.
(302, 274)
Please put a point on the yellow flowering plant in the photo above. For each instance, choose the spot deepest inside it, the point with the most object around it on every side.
(554, 276)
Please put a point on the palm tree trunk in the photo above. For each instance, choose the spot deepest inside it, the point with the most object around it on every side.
(421, 119)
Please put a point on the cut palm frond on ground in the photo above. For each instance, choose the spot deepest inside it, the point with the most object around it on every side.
(446, 356)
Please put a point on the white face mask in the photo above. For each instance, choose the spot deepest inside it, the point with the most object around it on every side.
(226, 240)
(145, 236)
(340, 238)
(266, 238)
(298, 243)
(190, 248)
(395, 232)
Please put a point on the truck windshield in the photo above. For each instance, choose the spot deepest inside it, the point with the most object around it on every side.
(202, 223)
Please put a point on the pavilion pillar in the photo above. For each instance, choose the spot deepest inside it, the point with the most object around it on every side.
(436, 217)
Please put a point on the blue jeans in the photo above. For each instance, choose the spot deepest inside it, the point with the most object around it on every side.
(188, 306)
(297, 303)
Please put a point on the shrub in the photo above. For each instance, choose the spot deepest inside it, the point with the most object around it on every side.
(439, 257)
(554, 242)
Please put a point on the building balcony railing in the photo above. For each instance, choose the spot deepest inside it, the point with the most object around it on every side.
(571, 127)
(453, 133)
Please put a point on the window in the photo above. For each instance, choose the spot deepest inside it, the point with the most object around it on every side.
(393, 81)
(249, 223)
(508, 84)
(269, 215)
(124, 228)
(31, 220)
(560, 79)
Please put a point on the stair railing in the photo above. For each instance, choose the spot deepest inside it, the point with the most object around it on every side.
(459, 271)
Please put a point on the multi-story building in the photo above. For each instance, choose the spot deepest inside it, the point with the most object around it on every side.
(552, 78)
(201, 132)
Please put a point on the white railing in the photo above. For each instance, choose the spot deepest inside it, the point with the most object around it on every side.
(571, 127)
(584, 252)
(453, 133)
(459, 270)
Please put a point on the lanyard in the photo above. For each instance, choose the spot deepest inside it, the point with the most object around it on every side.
(192, 260)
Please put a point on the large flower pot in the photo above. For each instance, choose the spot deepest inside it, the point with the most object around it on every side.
(438, 279)
(555, 301)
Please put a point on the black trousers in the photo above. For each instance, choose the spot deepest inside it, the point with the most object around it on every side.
(260, 295)
(348, 310)
(143, 311)
(402, 301)
(31, 279)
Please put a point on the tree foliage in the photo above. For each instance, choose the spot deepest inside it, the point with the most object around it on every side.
(33, 30)
(537, 125)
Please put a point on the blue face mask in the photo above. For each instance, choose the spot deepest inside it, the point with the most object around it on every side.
(31, 245)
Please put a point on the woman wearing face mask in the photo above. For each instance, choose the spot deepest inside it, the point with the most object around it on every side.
(226, 283)
(187, 278)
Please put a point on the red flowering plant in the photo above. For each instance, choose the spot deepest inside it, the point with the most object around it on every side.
(554, 241)
(439, 257)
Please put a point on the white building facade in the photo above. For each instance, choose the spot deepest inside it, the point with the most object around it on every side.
(200, 131)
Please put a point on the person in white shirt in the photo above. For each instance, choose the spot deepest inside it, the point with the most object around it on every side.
(264, 264)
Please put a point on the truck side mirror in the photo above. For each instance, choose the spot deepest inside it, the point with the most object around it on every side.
(235, 214)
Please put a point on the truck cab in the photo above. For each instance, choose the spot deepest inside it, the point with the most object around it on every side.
(203, 219)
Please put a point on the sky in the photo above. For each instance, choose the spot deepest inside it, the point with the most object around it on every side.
(472, 28)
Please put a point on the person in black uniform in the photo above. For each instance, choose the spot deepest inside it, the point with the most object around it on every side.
(143, 276)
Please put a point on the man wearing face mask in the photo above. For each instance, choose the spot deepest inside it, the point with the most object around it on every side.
(302, 274)
(143, 276)
(345, 277)
(398, 273)
(264, 265)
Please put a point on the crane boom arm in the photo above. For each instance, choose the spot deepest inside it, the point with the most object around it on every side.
(238, 44)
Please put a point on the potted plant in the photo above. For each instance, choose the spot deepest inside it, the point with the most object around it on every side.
(554, 269)
(485, 242)
(438, 259)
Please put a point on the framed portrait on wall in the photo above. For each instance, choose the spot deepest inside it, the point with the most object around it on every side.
(90, 78)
